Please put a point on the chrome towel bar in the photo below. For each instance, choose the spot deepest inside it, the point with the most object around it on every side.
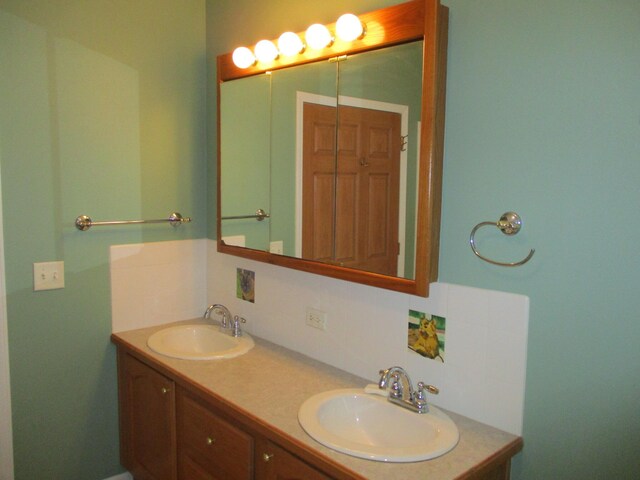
(84, 222)
(259, 216)
(509, 224)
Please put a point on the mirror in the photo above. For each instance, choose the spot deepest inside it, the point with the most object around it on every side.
(344, 156)
(374, 227)
(245, 162)
(378, 129)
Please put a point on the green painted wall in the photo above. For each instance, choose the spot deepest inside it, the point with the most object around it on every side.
(102, 112)
(543, 117)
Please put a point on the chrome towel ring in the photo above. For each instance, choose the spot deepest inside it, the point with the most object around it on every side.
(510, 224)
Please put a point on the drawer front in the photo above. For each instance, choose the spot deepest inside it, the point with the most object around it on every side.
(213, 445)
(279, 464)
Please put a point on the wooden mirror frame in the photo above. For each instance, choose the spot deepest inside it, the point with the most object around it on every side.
(415, 20)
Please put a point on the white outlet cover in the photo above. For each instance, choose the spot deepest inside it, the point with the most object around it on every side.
(276, 247)
(316, 318)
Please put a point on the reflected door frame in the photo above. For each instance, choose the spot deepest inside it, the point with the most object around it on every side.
(403, 110)
(6, 430)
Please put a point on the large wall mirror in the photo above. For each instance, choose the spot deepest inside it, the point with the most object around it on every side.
(331, 162)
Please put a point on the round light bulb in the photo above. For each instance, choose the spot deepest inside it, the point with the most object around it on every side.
(318, 36)
(266, 51)
(290, 44)
(243, 57)
(349, 27)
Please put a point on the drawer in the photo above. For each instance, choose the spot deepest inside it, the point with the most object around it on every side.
(210, 444)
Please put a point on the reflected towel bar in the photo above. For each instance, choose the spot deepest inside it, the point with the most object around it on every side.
(259, 216)
(510, 224)
(84, 222)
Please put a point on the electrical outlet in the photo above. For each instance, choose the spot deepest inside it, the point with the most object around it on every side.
(48, 276)
(276, 247)
(316, 319)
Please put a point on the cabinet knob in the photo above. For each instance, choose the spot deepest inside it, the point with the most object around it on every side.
(211, 441)
(165, 390)
(267, 456)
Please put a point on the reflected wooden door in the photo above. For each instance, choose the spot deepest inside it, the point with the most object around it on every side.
(363, 221)
(318, 181)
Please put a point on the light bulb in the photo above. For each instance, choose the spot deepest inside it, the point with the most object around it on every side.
(266, 51)
(349, 27)
(243, 57)
(290, 44)
(318, 36)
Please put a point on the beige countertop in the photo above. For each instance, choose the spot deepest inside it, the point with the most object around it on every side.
(271, 382)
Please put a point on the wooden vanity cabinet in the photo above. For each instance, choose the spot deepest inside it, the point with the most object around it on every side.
(174, 431)
(147, 420)
(166, 433)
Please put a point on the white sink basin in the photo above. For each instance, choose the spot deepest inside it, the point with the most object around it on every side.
(369, 426)
(198, 342)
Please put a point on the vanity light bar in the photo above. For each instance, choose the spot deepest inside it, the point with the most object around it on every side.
(348, 28)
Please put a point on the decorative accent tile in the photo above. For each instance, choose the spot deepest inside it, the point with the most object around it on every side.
(426, 335)
(245, 285)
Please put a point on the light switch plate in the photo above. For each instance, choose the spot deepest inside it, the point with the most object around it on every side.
(48, 276)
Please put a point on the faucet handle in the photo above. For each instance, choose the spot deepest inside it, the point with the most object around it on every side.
(395, 390)
(236, 331)
(420, 400)
(382, 383)
(422, 388)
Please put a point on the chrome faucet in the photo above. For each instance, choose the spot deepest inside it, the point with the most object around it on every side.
(225, 323)
(229, 324)
(401, 391)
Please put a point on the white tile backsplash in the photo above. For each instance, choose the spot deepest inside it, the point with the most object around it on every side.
(486, 337)
(157, 283)
(483, 376)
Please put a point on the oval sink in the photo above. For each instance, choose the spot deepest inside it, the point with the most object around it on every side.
(198, 342)
(369, 426)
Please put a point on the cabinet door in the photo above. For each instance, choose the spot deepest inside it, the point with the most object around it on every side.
(210, 448)
(147, 421)
(281, 465)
